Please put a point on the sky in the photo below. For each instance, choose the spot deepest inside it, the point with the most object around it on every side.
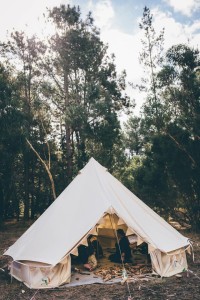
(118, 22)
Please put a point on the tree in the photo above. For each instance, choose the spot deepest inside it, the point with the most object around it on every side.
(134, 138)
(182, 98)
(25, 56)
(88, 91)
(170, 170)
(69, 96)
(151, 58)
(11, 120)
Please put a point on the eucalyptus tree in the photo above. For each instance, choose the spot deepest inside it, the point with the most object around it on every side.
(88, 93)
(151, 58)
(24, 54)
(168, 130)
(180, 85)
(170, 170)
(11, 120)
(134, 139)
(139, 131)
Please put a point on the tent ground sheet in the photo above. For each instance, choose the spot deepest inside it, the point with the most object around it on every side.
(106, 272)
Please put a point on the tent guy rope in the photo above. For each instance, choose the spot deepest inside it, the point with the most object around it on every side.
(124, 274)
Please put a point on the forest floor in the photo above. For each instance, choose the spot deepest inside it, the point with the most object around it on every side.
(186, 287)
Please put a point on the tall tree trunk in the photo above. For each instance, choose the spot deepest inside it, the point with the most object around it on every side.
(67, 129)
(82, 157)
(46, 166)
(32, 195)
(153, 83)
(26, 184)
(17, 208)
(1, 203)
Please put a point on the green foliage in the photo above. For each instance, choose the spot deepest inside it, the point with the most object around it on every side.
(134, 137)
(11, 120)
(169, 175)
(167, 136)
(90, 91)
(151, 56)
(64, 96)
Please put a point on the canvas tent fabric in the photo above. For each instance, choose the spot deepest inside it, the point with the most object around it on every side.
(38, 275)
(76, 212)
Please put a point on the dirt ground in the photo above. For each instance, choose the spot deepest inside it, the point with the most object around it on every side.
(187, 287)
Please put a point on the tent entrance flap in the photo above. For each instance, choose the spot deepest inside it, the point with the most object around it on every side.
(105, 230)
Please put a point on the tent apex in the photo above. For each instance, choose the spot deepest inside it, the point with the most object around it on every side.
(92, 159)
(95, 164)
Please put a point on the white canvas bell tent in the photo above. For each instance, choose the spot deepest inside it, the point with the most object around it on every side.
(41, 256)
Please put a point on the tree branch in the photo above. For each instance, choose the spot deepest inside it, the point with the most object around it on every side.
(46, 168)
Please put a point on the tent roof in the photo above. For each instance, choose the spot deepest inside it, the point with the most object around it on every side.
(79, 207)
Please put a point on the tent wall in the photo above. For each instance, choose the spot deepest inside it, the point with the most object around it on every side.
(94, 187)
(56, 233)
(170, 264)
(38, 276)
